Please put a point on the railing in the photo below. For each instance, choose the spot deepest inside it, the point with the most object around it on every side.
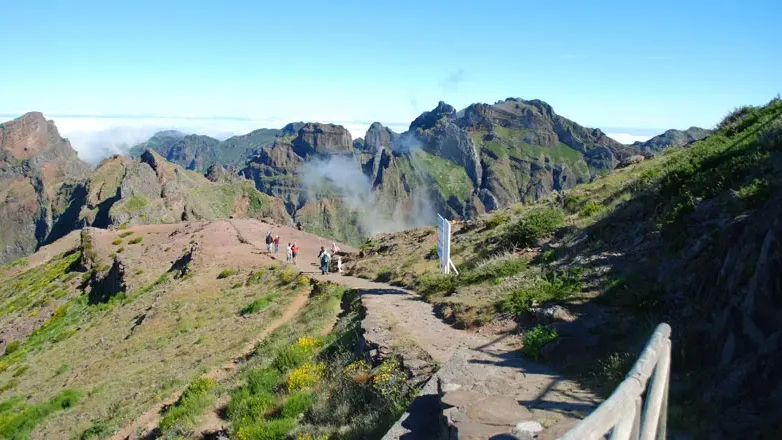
(622, 413)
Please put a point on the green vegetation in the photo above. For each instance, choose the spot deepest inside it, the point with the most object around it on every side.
(225, 273)
(186, 412)
(535, 225)
(117, 242)
(553, 287)
(126, 234)
(17, 419)
(258, 304)
(311, 387)
(136, 203)
(535, 338)
(136, 240)
(452, 180)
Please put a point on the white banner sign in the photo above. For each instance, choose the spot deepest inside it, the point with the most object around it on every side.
(444, 244)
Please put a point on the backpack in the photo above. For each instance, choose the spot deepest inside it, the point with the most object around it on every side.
(324, 259)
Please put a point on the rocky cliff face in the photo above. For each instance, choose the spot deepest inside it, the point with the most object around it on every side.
(673, 138)
(123, 191)
(39, 174)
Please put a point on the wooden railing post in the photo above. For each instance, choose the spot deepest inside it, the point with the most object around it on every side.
(624, 413)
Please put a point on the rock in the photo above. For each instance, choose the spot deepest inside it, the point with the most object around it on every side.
(551, 313)
(448, 387)
(322, 139)
(460, 398)
(498, 410)
(527, 430)
(40, 178)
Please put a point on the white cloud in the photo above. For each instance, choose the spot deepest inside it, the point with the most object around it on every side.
(627, 138)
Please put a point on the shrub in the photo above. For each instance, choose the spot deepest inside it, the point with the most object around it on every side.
(276, 429)
(550, 288)
(263, 380)
(357, 371)
(493, 269)
(121, 249)
(126, 234)
(245, 405)
(770, 138)
(12, 347)
(591, 208)
(432, 284)
(17, 420)
(535, 225)
(20, 370)
(432, 255)
(303, 280)
(116, 242)
(61, 369)
(139, 272)
(297, 403)
(136, 240)
(291, 357)
(536, 338)
(287, 275)
(186, 411)
(305, 376)
(754, 194)
(612, 370)
(499, 218)
(391, 382)
(225, 273)
(257, 305)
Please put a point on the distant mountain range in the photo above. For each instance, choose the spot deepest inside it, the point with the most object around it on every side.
(673, 138)
(456, 163)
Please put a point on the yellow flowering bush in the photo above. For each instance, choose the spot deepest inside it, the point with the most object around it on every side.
(307, 342)
(305, 376)
(390, 381)
(357, 371)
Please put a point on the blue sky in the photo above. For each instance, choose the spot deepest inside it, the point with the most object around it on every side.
(632, 67)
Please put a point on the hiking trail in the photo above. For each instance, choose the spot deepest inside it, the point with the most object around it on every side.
(489, 385)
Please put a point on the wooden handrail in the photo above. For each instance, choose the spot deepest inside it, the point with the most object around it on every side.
(622, 412)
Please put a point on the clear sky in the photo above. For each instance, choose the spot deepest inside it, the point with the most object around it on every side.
(622, 66)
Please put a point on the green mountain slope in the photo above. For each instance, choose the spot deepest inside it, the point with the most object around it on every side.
(673, 138)
(690, 237)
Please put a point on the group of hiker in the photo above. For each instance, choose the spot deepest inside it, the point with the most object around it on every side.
(273, 245)
(325, 256)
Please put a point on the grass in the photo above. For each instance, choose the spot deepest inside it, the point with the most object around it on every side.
(452, 180)
(17, 419)
(136, 240)
(257, 305)
(226, 273)
(299, 386)
(117, 242)
(536, 338)
(136, 203)
(126, 234)
(186, 412)
(535, 225)
(554, 287)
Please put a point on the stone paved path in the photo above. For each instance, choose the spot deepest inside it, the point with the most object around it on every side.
(488, 386)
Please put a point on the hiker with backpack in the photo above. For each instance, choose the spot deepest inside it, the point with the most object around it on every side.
(269, 241)
(294, 252)
(325, 258)
(276, 244)
(289, 253)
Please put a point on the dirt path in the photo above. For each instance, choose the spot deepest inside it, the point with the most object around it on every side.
(478, 366)
(150, 419)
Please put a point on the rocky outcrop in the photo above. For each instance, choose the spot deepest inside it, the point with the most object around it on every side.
(39, 174)
(322, 139)
(673, 138)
